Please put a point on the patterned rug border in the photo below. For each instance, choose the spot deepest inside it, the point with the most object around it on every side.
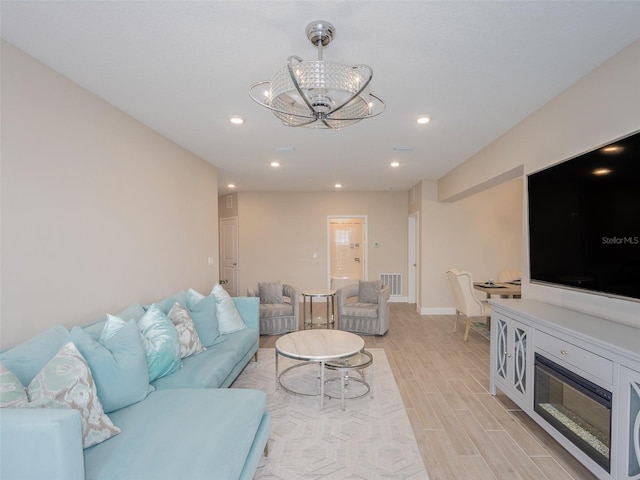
(371, 439)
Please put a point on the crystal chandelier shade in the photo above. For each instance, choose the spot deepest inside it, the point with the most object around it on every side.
(316, 93)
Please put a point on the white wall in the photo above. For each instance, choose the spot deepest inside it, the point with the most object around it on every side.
(279, 233)
(98, 211)
(601, 107)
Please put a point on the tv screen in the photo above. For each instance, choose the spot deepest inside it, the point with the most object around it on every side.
(584, 221)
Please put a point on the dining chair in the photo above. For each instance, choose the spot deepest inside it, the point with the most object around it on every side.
(465, 299)
(508, 275)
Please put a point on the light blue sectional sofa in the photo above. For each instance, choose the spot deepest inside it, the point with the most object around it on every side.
(188, 427)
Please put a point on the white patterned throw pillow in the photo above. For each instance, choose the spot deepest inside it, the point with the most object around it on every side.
(12, 392)
(229, 320)
(187, 336)
(66, 382)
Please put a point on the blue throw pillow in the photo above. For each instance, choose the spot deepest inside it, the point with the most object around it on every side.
(28, 358)
(161, 344)
(203, 313)
(118, 364)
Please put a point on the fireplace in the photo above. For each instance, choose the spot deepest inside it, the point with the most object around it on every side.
(577, 408)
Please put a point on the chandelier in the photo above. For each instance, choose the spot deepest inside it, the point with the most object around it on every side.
(317, 93)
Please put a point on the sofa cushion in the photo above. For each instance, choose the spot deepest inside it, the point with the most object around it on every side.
(368, 291)
(161, 344)
(167, 303)
(208, 369)
(28, 358)
(271, 310)
(190, 343)
(270, 292)
(66, 382)
(211, 432)
(229, 320)
(12, 391)
(360, 310)
(203, 313)
(118, 364)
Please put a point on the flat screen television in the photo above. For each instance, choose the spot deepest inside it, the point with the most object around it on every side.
(584, 221)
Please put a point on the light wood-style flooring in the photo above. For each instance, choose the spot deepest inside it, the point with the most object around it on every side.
(463, 432)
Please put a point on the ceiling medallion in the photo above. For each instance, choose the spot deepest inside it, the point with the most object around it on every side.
(317, 93)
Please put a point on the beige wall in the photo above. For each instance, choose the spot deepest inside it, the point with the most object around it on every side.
(481, 233)
(281, 231)
(98, 211)
(597, 109)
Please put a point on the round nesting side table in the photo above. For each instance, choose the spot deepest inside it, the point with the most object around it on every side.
(330, 296)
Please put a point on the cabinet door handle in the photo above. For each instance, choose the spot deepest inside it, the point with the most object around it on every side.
(507, 354)
(564, 352)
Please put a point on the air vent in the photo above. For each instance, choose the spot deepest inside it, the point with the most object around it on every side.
(394, 280)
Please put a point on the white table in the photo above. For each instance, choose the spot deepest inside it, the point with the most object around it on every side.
(318, 346)
(329, 295)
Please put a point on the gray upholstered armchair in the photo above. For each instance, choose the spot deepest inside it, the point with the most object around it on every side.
(279, 307)
(364, 308)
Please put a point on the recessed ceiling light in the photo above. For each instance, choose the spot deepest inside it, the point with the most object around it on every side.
(231, 185)
(275, 164)
(338, 185)
(236, 119)
(404, 149)
(395, 164)
(422, 119)
(602, 171)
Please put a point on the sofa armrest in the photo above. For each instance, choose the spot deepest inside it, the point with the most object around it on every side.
(249, 310)
(41, 443)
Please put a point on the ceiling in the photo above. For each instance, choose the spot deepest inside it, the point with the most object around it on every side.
(182, 68)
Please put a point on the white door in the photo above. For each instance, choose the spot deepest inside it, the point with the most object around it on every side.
(229, 255)
(413, 259)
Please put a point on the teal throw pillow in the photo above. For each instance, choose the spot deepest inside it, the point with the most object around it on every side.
(160, 339)
(203, 313)
(28, 358)
(229, 320)
(118, 363)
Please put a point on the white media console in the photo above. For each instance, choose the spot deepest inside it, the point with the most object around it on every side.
(603, 353)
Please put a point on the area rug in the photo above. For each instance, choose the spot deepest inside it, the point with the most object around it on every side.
(371, 439)
(481, 328)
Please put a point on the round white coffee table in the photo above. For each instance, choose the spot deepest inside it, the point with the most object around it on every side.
(317, 346)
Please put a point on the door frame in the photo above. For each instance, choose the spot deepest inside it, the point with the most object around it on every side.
(365, 249)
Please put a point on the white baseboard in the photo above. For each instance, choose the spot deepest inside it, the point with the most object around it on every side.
(438, 311)
(397, 299)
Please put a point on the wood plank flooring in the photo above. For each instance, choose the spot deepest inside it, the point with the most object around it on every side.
(463, 432)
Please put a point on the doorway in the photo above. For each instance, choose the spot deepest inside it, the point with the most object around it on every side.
(347, 250)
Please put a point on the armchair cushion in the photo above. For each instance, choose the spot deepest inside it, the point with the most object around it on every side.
(271, 310)
(368, 291)
(270, 292)
(358, 309)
